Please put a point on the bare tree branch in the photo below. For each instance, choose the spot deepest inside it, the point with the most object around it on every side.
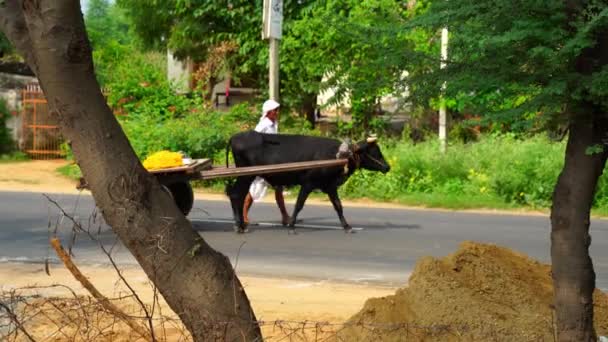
(67, 261)
(13, 318)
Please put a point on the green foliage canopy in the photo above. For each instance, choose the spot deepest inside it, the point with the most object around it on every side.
(516, 61)
(355, 46)
(110, 37)
(353, 42)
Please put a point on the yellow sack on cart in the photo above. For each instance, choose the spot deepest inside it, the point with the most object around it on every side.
(163, 160)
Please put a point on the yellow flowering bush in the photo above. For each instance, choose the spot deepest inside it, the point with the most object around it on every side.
(162, 160)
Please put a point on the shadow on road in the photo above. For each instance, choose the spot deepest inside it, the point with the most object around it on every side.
(309, 224)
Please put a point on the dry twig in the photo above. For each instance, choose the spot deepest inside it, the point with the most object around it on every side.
(67, 261)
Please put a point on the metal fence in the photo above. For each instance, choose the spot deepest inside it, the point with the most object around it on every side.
(41, 137)
(40, 134)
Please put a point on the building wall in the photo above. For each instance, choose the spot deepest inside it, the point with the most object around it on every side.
(179, 72)
(390, 104)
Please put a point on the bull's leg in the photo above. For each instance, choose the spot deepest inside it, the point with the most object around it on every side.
(278, 196)
(237, 192)
(335, 201)
(302, 196)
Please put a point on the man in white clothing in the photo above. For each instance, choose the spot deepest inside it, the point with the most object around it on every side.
(269, 124)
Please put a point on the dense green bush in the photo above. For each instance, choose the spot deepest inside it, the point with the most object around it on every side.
(200, 134)
(6, 142)
(516, 171)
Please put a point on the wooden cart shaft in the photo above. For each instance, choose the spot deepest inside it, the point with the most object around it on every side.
(223, 172)
(176, 180)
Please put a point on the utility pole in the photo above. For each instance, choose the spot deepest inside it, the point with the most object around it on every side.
(272, 26)
(442, 112)
(273, 69)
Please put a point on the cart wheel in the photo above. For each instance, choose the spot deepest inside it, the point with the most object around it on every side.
(182, 195)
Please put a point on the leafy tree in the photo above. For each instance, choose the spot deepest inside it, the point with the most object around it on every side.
(197, 282)
(193, 28)
(107, 22)
(111, 39)
(356, 46)
(339, 38)
(537, 64)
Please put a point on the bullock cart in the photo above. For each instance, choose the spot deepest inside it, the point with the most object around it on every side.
(177, 179)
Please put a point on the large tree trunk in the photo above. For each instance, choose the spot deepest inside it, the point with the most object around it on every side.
(197, 282)
(572, 269)
(586, 153)
(309, 108)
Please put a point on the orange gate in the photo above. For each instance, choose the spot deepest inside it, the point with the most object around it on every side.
(41, 138)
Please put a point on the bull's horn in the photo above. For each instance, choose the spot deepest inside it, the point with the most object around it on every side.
(371, 140)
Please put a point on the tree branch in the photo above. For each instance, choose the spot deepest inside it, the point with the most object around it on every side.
(103, 300)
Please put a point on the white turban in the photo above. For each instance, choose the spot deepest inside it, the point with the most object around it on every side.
(268, 106)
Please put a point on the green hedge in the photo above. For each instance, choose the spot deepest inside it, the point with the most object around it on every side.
(518, 172)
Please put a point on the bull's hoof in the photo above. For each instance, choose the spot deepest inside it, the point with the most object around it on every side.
(240, 230)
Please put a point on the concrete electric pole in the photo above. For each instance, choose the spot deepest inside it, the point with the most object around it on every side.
(273, 69)
(272, 27)
(442, 112)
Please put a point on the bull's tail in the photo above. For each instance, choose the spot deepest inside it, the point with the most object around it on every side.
(228, 151)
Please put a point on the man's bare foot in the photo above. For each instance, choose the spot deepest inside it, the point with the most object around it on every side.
(285, 220)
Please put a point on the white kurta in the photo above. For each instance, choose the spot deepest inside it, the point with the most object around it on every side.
(259, 186)
(267, 126)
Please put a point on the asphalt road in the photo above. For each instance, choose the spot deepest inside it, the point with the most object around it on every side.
(383, 250)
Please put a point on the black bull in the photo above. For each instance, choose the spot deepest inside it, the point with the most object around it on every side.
(252, 148)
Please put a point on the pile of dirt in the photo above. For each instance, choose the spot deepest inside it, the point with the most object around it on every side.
(480, 293)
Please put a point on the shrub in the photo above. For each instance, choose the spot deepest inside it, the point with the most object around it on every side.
(6, 142)
(199, 135)
(518, 171)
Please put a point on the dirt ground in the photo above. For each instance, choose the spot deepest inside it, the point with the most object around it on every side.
(288, 301)
(482, 292)
(39, 175)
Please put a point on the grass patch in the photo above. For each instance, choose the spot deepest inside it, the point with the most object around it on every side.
(71, 171)
(499, 172)
(13, 157)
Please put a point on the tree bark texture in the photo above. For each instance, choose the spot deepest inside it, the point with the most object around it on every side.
(309, 108)
(197, 282)
(572, 269)
(586, 153)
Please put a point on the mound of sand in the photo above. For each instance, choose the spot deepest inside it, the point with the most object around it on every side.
(480, 293)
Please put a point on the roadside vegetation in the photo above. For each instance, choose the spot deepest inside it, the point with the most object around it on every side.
(8, 148)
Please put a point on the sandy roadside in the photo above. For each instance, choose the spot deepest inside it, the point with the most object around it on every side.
(272, 298)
